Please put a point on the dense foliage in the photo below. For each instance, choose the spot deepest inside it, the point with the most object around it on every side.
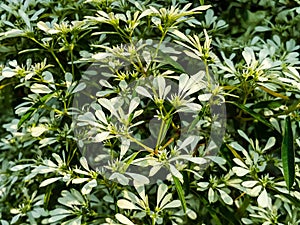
(80, 84)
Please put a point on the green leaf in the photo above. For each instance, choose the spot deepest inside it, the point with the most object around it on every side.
(255, 115)
(34, 107)
(288, 154)
(180, 193)
(25, 117)
(165, 59)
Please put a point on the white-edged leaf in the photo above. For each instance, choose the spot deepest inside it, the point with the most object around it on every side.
(201, 8)
(35, 16)
(211, 195)
(38, 131)
(120, 178)
(123, 219)
(204, 97)
(225, 197)
(263, 199)
(68, 79)
(106, 103)
(181, 35)
(176, 173)
(143, 91)
(56, 218)
(271, 142)
(142, 192)
(43, 26)
(154, 170)
(249, 183)
(203, 184)
(173, 204)
(125, 144)
(254, 191)
(75, 221)
(125, 204)
(101, 55)
(8, 72)
(87, 188)
(237, 146)
(240, 163)
(19, 167)
(40, 89)
(47, 141)
(146, 12)
(80, 180)
(101, 116)
(183, 83)
(186, 142)
(217, 159)
(138, 179)
(161, 82)
(161, 192)
(78, 88)
(59, 211)
(262, 28)
(50, 181)
(239, 171)
(24, 17)
(248, 55)
(191, 214)
(165, 200)
(244, 135)
(133, 104)
(101, 136)
(84, 163)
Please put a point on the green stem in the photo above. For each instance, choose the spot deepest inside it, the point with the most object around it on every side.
(153, 221)
(72, 62)
(207, 75)
(139, 143)
(57, 60)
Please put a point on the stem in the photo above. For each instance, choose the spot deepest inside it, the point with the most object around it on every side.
(72, 62)
(50, 50)
(207, 75)
(153, 221)
(163, 130)
(57, 60)
(139, 143)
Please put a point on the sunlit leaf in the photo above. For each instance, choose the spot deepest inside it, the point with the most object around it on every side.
(125, 204)
(50, 181)
(40, 89)
(263, 199)
(87, 188)
(123, 219)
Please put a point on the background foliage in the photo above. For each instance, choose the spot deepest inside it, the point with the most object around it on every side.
(251, 49)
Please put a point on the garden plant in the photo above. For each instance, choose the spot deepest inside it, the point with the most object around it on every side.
(149, 112)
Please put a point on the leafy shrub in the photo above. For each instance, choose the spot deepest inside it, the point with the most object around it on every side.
(50, 51)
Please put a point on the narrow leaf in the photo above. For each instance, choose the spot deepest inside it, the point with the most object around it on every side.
(180, 193)
(288, 154)
(255, 115)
